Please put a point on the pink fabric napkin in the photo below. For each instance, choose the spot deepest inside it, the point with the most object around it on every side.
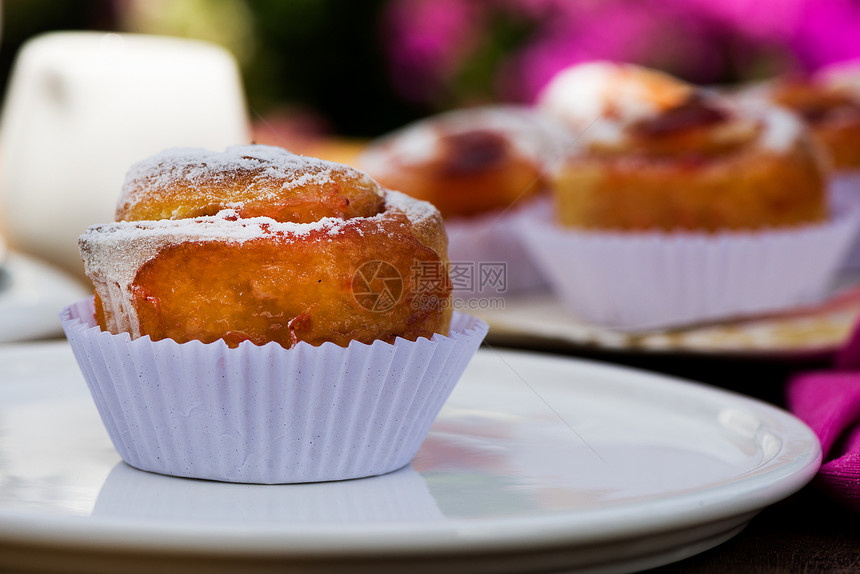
(829, 402)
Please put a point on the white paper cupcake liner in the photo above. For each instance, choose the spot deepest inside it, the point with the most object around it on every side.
(845, 196)
(649, 281)
(479, 247)
(265, 414)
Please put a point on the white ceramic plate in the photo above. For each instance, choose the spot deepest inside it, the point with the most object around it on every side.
(540, 321)
(536, 463)
(32, 294)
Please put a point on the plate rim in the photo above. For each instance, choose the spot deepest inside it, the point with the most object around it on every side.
(32, 298)
(504, 330)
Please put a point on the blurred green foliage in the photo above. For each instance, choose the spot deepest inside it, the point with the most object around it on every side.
(478, 77)
(326, 55)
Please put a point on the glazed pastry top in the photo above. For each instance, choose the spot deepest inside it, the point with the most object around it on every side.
(623, 108)
(245, 193)
(468, 140)
(253, 181)
(831, 95)
(472, 161)
(144, 239)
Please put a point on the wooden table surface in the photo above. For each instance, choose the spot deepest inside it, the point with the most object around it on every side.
(806, 533)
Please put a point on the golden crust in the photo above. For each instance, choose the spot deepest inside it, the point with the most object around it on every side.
(832, 113)
(373, 275)
(292, 289)
(300, 190)
(751, 189)
(469, 162)
(694, 161)
(495, 184)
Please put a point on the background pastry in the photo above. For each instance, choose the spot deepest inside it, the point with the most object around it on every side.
(470, 161)
(657, 153)
(680, 206)
(480, 167)
(829, 102)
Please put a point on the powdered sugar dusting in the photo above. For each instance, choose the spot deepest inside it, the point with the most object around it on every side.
(781, 129)
(113, 253)
(416, 210)
(605, 99)
(602, 98)
(276, 168)
(118, 250)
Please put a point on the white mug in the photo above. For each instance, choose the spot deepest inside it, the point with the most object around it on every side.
(82, 107)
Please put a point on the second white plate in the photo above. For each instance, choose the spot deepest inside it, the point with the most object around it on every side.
(536, 463)
(541, 321)
(32, 294)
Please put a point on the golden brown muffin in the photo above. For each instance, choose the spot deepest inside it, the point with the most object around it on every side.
(262, 245)
(468, 162)
(658, 154)
(832, 110)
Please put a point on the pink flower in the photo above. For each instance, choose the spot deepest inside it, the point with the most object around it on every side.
(426, 40)
(767, 20)
(431, 41)
(631, 31)
(828, 31)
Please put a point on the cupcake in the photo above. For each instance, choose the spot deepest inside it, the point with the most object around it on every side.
(679, 206)
(264, 317)
(479, 167)
(829, 103)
